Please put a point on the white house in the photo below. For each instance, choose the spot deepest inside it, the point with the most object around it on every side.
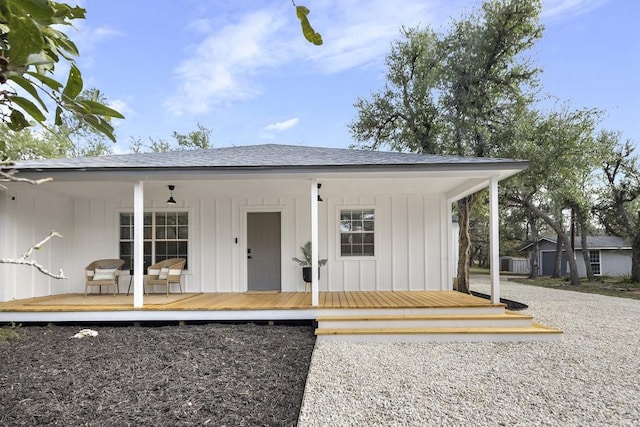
(381, 219)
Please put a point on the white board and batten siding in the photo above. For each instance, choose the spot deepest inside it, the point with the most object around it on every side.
(408, 233)
(25, 221)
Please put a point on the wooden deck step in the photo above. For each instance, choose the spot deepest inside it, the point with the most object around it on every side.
(424, 321)
(534, 332)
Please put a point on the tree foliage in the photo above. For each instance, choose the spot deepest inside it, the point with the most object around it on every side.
(562, 154)
(32, 43)
(72, 138)
(196, 139)
(455, 93)
(618, 207)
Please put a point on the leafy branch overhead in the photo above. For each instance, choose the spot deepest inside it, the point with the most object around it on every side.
(30, 46)
(307, 30)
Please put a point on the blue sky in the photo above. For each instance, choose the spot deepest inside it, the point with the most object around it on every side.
(243, 69)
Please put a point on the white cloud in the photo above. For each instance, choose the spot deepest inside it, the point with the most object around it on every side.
(87, 38)
(281, 126)
(553, 9)
(223, 64)
(357, 34)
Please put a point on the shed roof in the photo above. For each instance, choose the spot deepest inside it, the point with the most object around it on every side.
(593, 242)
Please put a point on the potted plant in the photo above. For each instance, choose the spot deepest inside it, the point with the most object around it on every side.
(305, 262)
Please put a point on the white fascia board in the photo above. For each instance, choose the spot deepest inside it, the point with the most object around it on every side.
(360, 171)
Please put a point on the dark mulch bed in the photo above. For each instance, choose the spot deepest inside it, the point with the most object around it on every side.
(214, 374)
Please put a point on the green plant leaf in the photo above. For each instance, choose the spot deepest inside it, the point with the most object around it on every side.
(48, 81)
(100, 125)
(307, 30)
(24, 39)
(38, 9)
(37, 59)
(100, 109)
(58, 116)
(29, 107)
(74, 84)
(17, 121)
(29, 88)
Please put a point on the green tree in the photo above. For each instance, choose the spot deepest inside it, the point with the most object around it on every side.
(72, 138)
(31, 44)
(452, 93)
(619, 204)
(75, 133)
(197, 139)
(26, 145)
(562, 151)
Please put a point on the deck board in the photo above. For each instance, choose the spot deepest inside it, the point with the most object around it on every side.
(257, 301)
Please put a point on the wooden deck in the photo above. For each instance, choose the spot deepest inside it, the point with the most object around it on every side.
(247, 301)
(416, 316)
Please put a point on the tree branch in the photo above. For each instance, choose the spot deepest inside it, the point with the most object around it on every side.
(23, 260)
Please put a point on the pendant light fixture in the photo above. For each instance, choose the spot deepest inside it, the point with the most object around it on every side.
(171, 200)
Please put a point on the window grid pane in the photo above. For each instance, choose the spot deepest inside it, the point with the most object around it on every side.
(594, 260)
(166, 236)
(357, 232)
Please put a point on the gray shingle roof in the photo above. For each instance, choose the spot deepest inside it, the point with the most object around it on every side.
(262, 156)
(594, 242)
(603, 242)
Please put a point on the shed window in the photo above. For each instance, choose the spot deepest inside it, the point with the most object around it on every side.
(166, 235)
(594, 260)
(357, 227)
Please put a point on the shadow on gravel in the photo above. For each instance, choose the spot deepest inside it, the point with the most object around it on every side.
(511, 305)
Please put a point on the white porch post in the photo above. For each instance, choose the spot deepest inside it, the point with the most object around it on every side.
(315, 293)
(138, 244)
(494, 239)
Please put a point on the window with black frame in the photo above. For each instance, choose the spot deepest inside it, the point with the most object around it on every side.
(166, 235)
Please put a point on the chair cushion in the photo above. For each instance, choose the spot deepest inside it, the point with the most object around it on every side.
(104, 274)
(164, 273)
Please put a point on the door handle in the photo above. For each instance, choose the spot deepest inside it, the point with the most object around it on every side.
(249, 253)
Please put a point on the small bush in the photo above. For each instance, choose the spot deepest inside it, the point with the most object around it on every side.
(9, 333)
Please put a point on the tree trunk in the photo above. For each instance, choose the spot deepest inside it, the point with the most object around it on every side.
(582, 223)
(533, 261)
(635, 259)
(573, 267)
(464, 242)
(585, 255)
(557, 262)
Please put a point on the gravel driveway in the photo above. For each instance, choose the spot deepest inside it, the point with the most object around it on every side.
(590, 377)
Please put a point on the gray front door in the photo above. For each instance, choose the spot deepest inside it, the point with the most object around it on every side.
(263, 251)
